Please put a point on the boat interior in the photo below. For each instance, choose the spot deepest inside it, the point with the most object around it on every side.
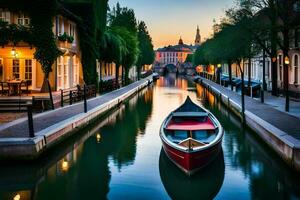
(191, 131)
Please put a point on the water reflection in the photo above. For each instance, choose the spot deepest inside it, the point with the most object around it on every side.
(205, 184)
(267, 176)
(120, 158)
(79, 169)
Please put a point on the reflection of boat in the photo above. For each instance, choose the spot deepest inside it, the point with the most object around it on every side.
(155, 76)
(204, 185)
(191, 137)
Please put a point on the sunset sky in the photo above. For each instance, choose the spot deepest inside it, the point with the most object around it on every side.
(167, 20)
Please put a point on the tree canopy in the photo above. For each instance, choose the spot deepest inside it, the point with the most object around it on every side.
(146, 56)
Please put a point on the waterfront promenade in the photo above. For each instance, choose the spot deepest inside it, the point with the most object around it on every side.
(53, 126)
(280, 130)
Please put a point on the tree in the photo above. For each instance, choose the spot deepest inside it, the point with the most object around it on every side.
(146, 56)
(123, 21)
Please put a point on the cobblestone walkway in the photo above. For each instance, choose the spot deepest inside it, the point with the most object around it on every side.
(281, 120)
(45, 120)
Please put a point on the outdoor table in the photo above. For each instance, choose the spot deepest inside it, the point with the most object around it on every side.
(14, 87)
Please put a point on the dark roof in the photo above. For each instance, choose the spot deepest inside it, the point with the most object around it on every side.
(178, 48)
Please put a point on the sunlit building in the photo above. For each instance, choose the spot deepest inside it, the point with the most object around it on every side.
(177, 54)
(17, 61)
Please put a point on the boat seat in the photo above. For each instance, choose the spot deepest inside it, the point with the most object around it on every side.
(190, 143)
(204, 136)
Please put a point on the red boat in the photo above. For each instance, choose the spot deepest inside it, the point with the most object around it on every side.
(191, 137)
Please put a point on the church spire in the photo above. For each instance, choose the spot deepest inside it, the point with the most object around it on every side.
(180, 41)
(198, 37)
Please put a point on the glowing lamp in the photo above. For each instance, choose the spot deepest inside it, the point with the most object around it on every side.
(14, 53)
(274, 59)
(17, 197)
(199, 69)
(98, 137)
(286, 60)
(219, 65)
(65, 165)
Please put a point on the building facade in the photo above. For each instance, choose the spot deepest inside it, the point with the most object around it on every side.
(177, 54)
(17, 61)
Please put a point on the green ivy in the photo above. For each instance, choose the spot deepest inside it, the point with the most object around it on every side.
(65, 37)
(39, 34)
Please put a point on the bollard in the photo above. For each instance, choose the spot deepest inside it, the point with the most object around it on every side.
(61, 98)
(84, 98)
(30, 121)
(70, 98)
(262, 95)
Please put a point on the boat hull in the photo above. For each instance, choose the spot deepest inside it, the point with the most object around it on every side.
(192, 161)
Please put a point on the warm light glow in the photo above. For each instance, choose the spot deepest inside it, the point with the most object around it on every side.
(17, 197)
(286, 60)
(65, 165)
(219, 65)
(199, 69)
(274, 59)
(98, 137)
(14, 52)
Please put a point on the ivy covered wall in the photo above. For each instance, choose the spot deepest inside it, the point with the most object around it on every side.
(90, 18)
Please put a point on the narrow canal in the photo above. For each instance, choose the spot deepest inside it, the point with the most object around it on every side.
(120, 158)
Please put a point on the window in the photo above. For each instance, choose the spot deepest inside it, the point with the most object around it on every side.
(28, 69)
(23, 20)
(76, 70)
(59, 25)
(59, 71)
(72, 29)
(280, 61)
(16, 69)
(4, 15)
(296, 71)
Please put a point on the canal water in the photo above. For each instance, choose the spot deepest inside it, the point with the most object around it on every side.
(121, 157)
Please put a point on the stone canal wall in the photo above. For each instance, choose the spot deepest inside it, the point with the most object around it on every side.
(277, 136)
(25, 148)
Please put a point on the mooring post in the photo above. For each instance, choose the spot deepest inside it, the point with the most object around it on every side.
(30, 119)
(61, 98)
(84, 98)
(70, 98)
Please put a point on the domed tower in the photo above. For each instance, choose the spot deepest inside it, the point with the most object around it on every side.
(180, 41)
(198, 37)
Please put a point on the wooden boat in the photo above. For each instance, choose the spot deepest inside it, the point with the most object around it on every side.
(191, 137)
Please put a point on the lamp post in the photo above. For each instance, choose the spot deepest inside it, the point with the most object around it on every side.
(219, 72)
(264, 77)
(286, 83)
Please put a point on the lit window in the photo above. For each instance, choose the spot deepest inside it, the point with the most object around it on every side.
(28, 69)
(16, 69)
(23, 20)
(4, 16)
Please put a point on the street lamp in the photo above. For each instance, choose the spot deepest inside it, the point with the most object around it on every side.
(286, 60)
(219, 72)
(14, 53)
(286, 83)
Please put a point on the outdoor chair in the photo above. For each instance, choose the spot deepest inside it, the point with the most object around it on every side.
(24, 87)
(4, 88)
